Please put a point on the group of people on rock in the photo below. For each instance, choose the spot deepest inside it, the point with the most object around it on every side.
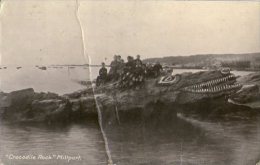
(129, 74)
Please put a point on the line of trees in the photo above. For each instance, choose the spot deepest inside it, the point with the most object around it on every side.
(236, 64)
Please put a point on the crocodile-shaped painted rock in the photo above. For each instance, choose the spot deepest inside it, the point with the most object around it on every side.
(179, 89)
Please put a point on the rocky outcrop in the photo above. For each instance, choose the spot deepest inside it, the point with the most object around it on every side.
(249, 94)
(189, 90)
(29, 106)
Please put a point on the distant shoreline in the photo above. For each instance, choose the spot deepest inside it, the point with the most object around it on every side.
(165, 67)
(237, 62)
(233, 69)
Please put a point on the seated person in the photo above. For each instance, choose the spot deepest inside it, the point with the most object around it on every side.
(128, 73)
(102, 78)
(149, 70)
(130, 64)
(133, 75)
(157, 69)
(139, 72)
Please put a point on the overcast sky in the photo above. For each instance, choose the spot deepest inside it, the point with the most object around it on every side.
(48, 32)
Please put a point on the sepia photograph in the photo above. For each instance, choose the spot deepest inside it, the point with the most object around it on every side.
(130, 82)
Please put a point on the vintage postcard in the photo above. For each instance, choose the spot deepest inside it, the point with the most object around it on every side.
(149, 82)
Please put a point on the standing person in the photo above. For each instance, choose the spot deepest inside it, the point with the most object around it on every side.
(101, 79)
(130, 64)
(113, 74)
(157, 69)
(138, 59)
(121, 65)
(119, 59)
(113, 66)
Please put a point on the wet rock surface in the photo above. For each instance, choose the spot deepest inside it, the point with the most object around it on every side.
(248, 93)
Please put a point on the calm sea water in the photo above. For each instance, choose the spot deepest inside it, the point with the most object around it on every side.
(181, 141)
(82, 139)
(59, 80)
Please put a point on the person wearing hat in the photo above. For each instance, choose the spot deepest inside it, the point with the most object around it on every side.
(113, 73)
(126, 77)
(138, 74)
(102, 77)
(120, 65)
(157, 68)
(138, 59)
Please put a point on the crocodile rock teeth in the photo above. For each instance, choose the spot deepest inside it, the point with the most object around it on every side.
(213, 86)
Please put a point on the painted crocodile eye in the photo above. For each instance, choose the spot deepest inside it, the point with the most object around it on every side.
(168, 80)
(225, 71)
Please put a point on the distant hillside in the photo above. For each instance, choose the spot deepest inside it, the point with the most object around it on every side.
(234, 61)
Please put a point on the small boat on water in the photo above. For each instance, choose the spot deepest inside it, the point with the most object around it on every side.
(19, 67)
(43, 68)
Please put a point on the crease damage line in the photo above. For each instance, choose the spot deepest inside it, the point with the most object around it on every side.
(1, 10)
(87, 58)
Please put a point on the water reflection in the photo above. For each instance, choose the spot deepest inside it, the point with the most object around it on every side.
(82, 139)
(178, 140)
